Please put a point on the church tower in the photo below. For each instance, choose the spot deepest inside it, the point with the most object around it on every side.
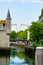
(8, 23)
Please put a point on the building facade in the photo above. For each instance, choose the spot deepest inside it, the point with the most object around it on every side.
(5, 25)
(5, 29)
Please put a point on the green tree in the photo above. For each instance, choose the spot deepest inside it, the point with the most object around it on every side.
(36, 31)
(25, 32)
(13, 35)
(20, 34)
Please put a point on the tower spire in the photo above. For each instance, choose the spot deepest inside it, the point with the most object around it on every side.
(8, 15)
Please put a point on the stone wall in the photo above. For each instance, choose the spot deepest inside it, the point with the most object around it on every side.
(8, 26)
(4, 39)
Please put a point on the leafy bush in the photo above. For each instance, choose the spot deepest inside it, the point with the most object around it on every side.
(41, 41)
(35, 45)
(36, 31)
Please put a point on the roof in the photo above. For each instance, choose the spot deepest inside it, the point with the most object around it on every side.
(41, 20)
(8, 16)
(2, 21)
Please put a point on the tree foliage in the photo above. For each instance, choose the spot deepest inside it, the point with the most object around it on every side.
(36, 31)
(13, 35)
(22, 34)
(25, 34)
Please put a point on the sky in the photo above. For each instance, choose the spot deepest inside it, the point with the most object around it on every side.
(21, 11)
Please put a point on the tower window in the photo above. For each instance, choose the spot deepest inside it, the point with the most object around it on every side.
(4, 25)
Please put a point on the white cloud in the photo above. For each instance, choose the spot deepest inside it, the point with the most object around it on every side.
(1, 0)
(24, 0)
(10, 0)
(36, 1)
(14, 0)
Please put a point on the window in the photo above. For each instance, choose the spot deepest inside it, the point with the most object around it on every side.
(4, 25)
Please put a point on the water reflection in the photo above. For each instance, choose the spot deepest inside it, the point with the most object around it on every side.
(18, 57)
(4, 60)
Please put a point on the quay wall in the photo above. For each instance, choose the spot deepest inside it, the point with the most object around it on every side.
(5, 51)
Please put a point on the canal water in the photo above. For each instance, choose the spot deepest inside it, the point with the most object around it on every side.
(17, 57)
